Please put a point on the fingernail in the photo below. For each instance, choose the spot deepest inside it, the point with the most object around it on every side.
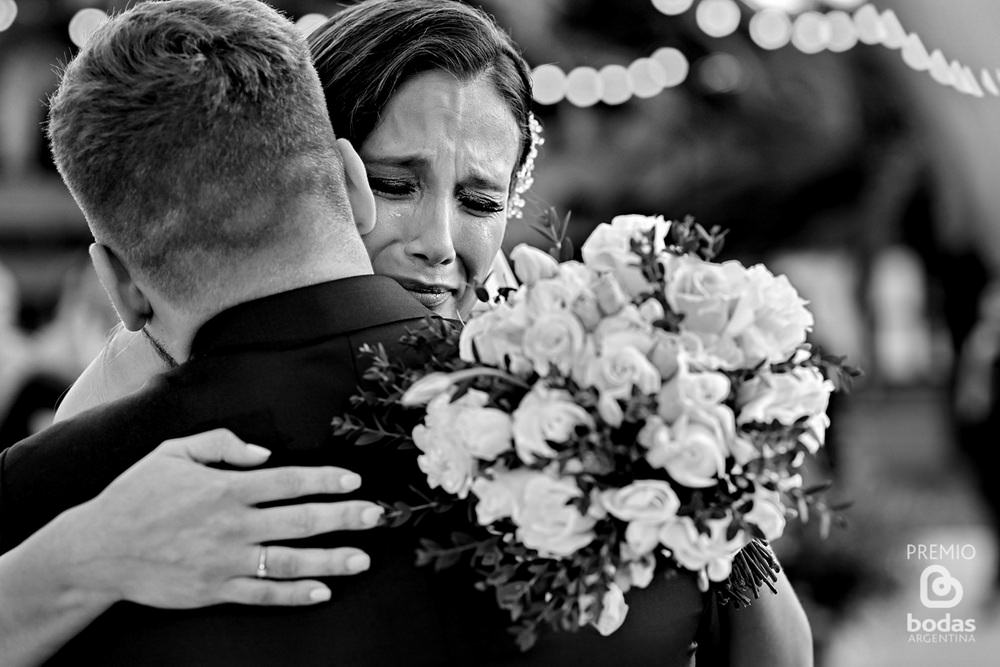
(350, 481)
(257, 450)
(371, 516)
(358, 562)
(319, 594)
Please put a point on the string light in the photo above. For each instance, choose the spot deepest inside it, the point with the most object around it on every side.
(718, 18)
(85, 23)
(675, 66)
(672, 7)
(770, 29)
(615, 85)
(548, 84)
(843, 33)
(309, 22)
(584, 87)
(771, 26)
(8, 12)
(810, 32)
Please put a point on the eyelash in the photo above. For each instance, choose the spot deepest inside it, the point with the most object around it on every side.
(396, 188)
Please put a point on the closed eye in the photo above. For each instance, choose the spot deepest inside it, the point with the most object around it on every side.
(391, 187)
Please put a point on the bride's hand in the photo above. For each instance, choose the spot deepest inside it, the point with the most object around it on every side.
(172, 532)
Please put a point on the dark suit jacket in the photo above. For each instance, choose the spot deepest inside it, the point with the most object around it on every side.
(275, 371)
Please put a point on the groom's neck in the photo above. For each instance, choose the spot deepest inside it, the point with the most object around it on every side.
(172, 329)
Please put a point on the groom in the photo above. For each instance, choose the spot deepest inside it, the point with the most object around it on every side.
(194, 136)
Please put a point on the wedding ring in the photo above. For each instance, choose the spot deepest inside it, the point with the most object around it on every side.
(262, 563)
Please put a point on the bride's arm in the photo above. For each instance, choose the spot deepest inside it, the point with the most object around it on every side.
(93, 555)
(127, 361)
(772, 631)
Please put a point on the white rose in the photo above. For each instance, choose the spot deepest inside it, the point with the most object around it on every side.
(691, 389)
(696, 551)
(815, 433)
(485, 432)
(532, 264)
(642, 537)
(445, 462)
(495, 337)
(770, 321)
(610, 296)
(705, 294)
(499, 497)
(426, 388)
(641, 571)
(644, 500)
(613, 610)
(768, 513)
(546, 415)
(547, 522)
(784, 397)
(619, 367)
(554, 340)
(609, 248)
(693, 449)
(626, 327)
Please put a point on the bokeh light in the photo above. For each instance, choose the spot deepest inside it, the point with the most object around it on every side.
(940, 69)
(869, 24)
(718, 18)
(915, 54)
(988, 82)
(770, 29)
(674, 65)
(8, 12)
(584, 87)
(548, 84)
(787, 6)
(85, 23)
(309, 22)
(672, 7)
(721, 73)
(894, 32)
(843, 33)
(646, 77)
(810, 32)
(615, 85)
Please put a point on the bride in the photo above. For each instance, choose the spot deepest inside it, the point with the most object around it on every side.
(436, 97)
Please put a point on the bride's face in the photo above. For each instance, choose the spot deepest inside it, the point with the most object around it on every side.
(440, 164)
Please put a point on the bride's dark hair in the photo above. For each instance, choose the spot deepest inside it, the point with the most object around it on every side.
(366, 52)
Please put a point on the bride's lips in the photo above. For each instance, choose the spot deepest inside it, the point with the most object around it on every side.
(431, 295)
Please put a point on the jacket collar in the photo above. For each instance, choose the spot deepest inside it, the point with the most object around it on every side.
(308, 313)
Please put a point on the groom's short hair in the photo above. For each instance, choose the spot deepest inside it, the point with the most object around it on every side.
(187, 129)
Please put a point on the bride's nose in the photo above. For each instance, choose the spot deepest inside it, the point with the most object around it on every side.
(431, 241)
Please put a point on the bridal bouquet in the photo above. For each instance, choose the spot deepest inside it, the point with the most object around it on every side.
(644, 411)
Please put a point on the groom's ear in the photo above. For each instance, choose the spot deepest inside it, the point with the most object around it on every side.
(358, 190)
(132, 306)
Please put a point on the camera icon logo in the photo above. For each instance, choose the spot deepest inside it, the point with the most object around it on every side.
(939, 589)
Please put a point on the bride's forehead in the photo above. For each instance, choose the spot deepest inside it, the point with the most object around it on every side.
(435, 110)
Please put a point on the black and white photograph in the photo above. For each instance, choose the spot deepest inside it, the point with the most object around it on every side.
(446, 333)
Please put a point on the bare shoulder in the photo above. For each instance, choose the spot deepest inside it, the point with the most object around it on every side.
(122, 367)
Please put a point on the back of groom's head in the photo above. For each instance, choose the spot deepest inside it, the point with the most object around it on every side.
(189, 131)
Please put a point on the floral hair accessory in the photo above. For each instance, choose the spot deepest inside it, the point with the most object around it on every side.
(525, 175)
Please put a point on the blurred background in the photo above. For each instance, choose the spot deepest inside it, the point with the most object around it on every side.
(847, 145)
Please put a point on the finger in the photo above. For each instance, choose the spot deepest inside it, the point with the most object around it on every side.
(274, 593)
(217, 446)
(308, 519)
(261, 486)
(289, 563)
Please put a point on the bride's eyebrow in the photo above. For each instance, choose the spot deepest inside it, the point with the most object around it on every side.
(478, 182)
